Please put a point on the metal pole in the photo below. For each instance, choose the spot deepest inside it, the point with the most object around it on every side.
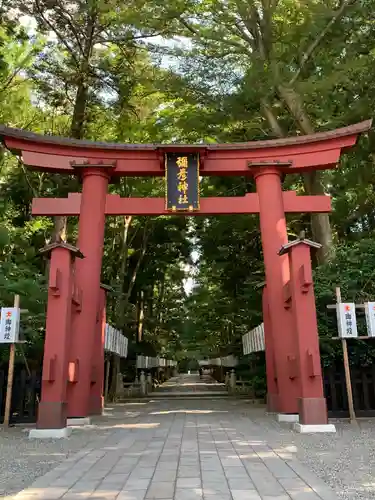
(348, 380)
(8, 399)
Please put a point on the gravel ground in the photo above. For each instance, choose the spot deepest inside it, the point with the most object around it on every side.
(23, 460)
(345, 460)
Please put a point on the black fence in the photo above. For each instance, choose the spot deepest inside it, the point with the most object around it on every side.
(25, 395)
(363, 387)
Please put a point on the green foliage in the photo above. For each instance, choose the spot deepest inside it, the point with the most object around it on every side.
(352, 270)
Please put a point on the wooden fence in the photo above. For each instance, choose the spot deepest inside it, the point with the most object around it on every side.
(363, 386)
(25, 395)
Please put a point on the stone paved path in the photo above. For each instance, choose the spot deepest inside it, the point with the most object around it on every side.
(184, 384)
(178, 450)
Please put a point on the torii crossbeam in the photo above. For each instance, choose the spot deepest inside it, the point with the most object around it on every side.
(115, 205)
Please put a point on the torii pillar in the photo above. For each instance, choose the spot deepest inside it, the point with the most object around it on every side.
(272, 390)
(52, 411)
(97, 373)
(95, 179)
(274, 236)
(307, 372)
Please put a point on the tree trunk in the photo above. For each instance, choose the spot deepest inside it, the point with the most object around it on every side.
(123, 268)
(138, 264)
(80, 105)
(79, 112)
(82, 95)
(272, 119)
(320, 224)
(140, 317)
(115, 371)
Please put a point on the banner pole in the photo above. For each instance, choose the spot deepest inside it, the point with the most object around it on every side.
(12, 354)
(348, 380)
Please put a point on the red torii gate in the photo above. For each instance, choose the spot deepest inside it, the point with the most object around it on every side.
(73, 357)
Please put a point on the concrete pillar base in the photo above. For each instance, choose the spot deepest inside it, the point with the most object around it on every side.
(50, 433)
(312, 429)
(78, 421)
(287, 417)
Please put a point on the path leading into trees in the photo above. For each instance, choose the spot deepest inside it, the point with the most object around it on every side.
(191, 385)
(180, 449)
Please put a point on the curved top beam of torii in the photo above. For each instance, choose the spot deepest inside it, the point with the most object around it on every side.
(293, 154)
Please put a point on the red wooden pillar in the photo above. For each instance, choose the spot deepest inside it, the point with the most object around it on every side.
(272, 393)
(274, 236)
(52, 411)
(97, 381)
(91, 241)
(312, 404)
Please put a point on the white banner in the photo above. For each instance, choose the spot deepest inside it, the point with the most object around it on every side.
(346, 320)
(115, 342)
(157, 362)
(253, 341)
(370, 318)
(227, 361)
(9, 325)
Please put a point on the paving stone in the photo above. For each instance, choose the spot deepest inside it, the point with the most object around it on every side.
(219, 487)
(164, 475)
(189, 482)
(216, 495)
(267, 484)
(137, 484)
(132, 495)
(167, 465)
(142, 472)
(160, 490)
(231, 462)
(245, 495)
(85, 487)
(277, 497)
(188, 471)
(241, 484)
(238, 472)
(190, 494)
(298, 489)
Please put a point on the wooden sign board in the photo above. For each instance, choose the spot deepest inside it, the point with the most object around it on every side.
(182, 181)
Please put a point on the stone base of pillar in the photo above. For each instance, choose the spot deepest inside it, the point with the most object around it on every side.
(50, 433)
(313, 411)
(272, 402)
(52, 415)
(289, 418)
(74, 422)
(312, 429)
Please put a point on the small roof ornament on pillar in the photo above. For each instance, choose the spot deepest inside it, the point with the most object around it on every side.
(301, 240)
(76, 252)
